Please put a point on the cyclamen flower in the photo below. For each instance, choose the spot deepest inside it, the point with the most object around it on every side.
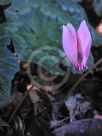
(77, 44)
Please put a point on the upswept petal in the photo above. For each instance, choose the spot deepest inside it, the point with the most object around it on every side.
(84, 43)
(69, 41)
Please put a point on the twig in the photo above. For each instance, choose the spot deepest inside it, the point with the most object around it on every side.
(71, 91)
(19, 104)
(59, 122)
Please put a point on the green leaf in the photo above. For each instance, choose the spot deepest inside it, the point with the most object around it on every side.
(35, 32)
(4, 1)
(90, 61)
(8, 65)
(60, 16)
(97, 4)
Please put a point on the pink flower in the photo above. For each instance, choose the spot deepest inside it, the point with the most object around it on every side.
(77, 44)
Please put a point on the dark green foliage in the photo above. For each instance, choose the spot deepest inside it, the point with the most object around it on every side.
(97, 4)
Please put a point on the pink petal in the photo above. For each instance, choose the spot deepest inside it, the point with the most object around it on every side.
(84, 43)
(69, 42)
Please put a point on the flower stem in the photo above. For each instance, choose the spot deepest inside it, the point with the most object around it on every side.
(71, 91)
